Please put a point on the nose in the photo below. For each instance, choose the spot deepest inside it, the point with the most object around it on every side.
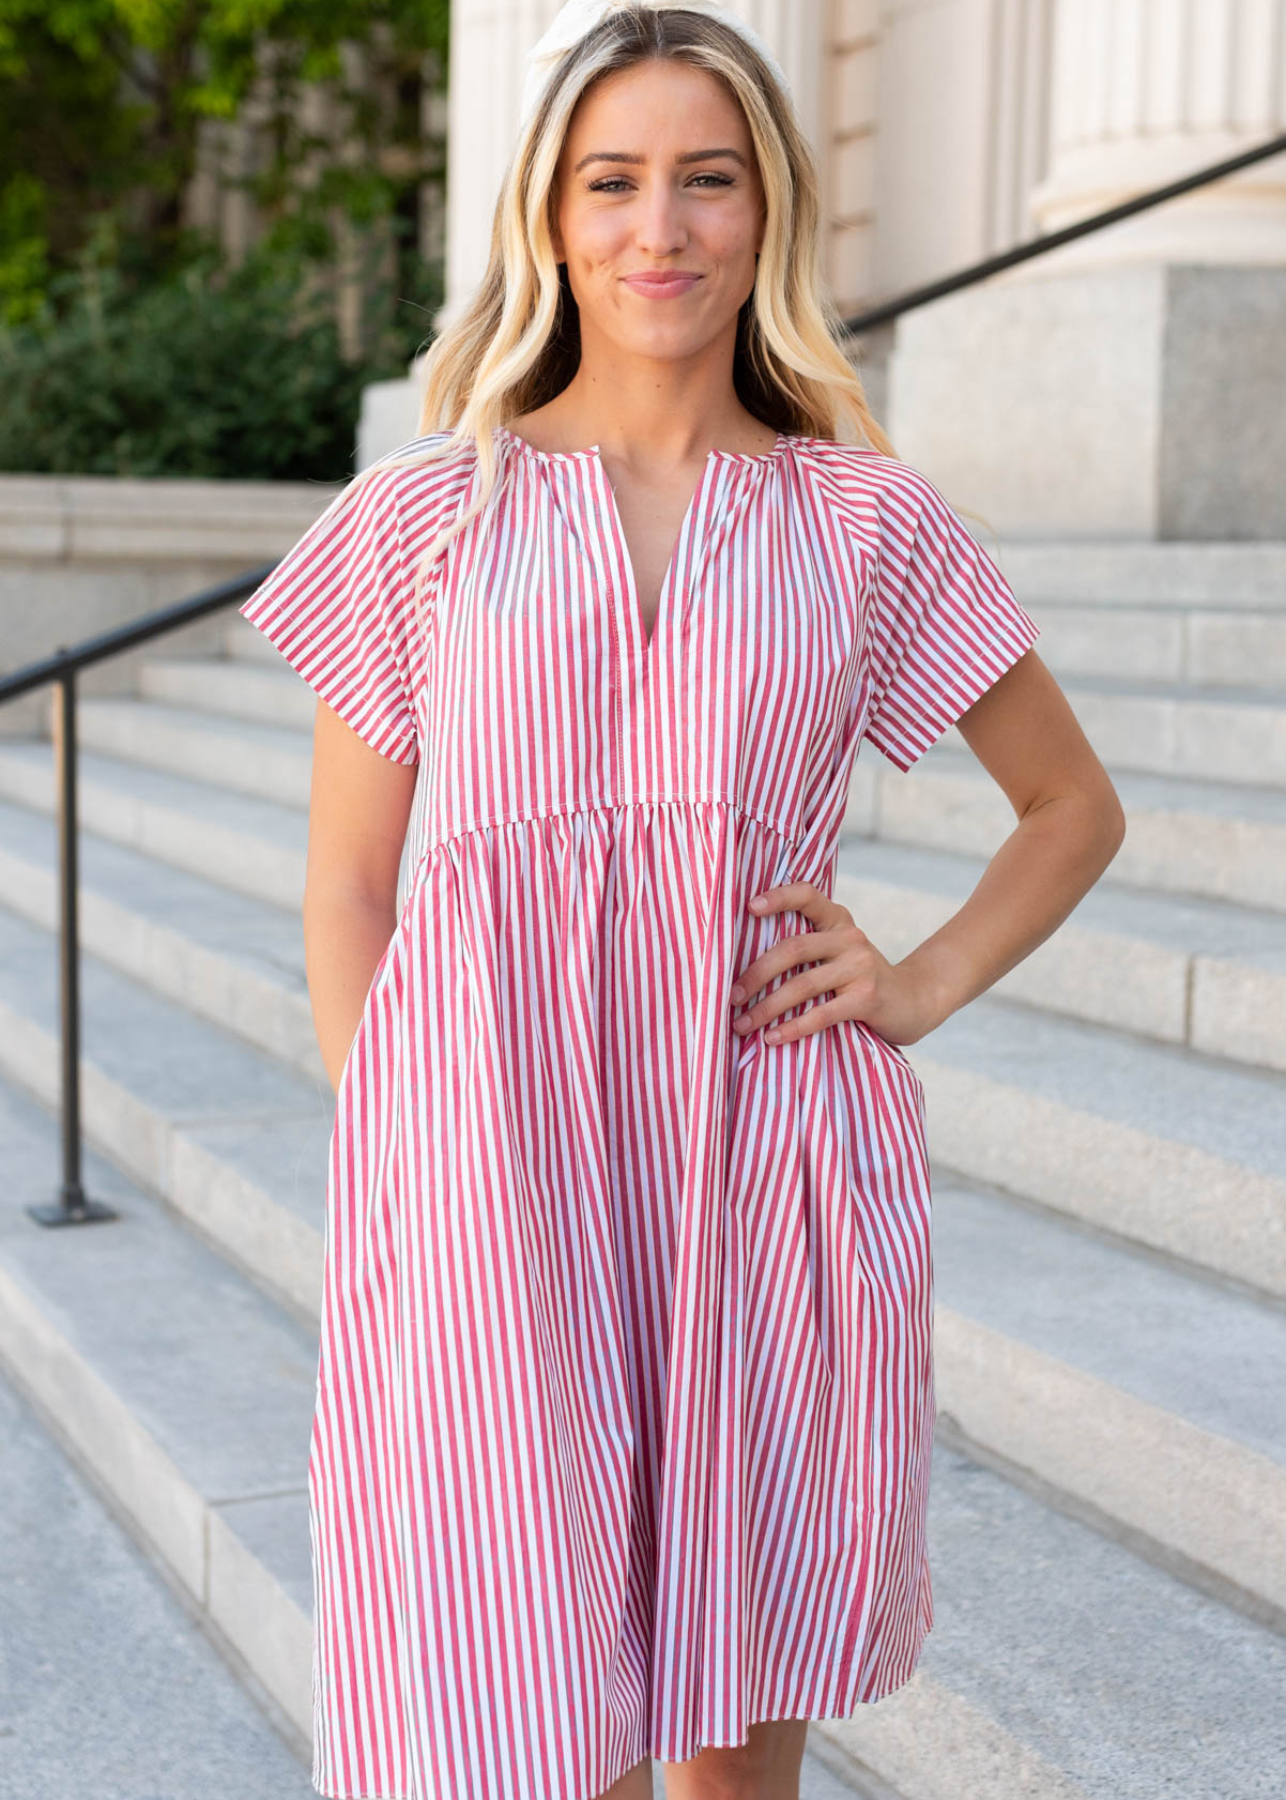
(659, 226)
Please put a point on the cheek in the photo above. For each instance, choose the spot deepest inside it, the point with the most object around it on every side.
(730, 237)
(596, 240)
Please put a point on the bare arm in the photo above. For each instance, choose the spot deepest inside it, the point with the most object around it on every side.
(1070, 826)
(359, 807)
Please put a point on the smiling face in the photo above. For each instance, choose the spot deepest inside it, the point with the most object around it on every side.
(658, 177)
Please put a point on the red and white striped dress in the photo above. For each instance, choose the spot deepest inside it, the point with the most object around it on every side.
(625, 1394)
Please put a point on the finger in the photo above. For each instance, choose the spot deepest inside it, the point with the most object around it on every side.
(817, 1018)
(791, 993)
(796, 896)
(809, 947)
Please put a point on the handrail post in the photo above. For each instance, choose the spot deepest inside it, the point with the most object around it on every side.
(73, 1206)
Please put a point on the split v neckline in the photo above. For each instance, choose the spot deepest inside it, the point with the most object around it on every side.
(646, 639)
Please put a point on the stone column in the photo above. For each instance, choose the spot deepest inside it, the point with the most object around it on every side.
(1131, 384)
(1145, 91)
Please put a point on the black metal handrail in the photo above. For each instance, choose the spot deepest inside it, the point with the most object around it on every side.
(73, 1205)
(1051, 240)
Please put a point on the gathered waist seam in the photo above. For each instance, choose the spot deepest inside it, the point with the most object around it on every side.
(607, 806)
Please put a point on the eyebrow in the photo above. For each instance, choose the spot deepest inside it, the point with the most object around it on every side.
(689, 156)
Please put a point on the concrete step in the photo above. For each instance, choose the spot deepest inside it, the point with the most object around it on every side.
(1206, 839)
(115, 1683)
(1202, 733)
(1114, 572)
(1061, 1667)
(257, 847)
(1205, 973)
(185, 1390)
(225, 1133)
(227, 752)
(263, 691)
(1140, 1395)
(1228, 647)
(1162, 1146)
(1059, 1663)
(232, 959)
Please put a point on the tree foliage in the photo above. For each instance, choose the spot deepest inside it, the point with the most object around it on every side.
(101, 104)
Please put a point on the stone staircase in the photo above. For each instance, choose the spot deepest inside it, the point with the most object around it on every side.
(1108, 1128)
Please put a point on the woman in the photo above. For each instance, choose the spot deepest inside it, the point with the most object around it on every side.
(625, 1402)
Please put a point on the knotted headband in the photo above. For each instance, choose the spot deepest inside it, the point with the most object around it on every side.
(581, 16)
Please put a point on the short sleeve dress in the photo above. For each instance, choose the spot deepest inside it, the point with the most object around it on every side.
(625, 1398)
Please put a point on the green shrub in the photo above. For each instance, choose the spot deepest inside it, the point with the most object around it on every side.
(216, 372)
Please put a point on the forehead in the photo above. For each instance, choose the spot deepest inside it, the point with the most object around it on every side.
(662, 106)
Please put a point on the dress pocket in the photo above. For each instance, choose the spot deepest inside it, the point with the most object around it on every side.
(888, 1050)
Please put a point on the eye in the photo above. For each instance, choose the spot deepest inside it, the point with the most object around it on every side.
(607, 184)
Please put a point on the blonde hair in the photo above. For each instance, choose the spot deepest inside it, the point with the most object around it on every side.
(517, 343)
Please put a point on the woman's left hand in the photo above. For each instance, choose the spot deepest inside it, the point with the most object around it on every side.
(847, 965)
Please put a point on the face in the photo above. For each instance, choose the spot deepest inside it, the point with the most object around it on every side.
(658, 176)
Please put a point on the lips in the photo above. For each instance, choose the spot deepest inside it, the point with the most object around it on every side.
(663, 287)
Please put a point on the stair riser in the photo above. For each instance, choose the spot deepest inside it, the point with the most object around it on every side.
(246, 768)
(924, 1742)
(237, 690)
(1196, 739)
(1233, 650)
(1162, 576)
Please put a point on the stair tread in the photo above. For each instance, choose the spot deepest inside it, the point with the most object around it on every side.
(1189, 693)
(1129, 1681)
(1192, 1346)
(1178, 575)
(208, 721)
(221, 1376)
(179, 1065)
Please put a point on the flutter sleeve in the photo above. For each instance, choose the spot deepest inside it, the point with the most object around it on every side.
(338, 608)
(944, 622)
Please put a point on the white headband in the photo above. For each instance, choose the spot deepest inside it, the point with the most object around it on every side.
(578, 17)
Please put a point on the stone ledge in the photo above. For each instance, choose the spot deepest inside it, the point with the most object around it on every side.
(103, 518)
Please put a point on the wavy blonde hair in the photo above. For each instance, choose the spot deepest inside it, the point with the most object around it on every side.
(517, 343)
